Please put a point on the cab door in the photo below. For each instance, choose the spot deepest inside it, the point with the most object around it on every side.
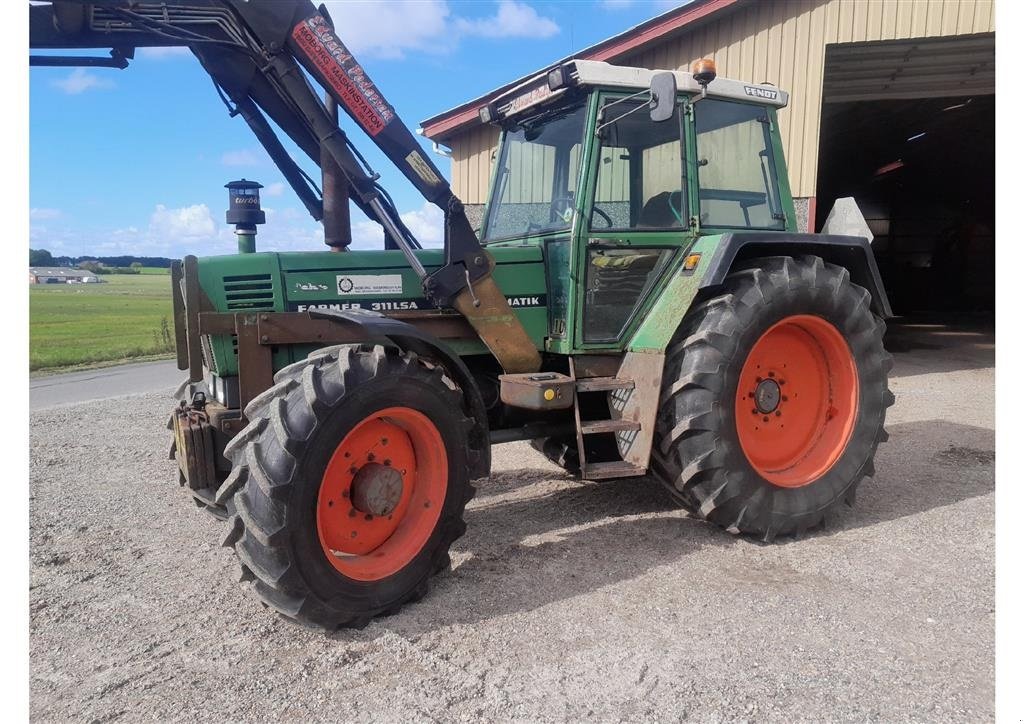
(635, 219)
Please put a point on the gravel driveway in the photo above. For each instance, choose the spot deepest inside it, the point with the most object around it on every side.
(567, 599)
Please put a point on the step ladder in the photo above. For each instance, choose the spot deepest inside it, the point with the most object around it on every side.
(609, 469)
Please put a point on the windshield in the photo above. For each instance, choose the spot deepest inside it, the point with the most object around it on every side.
(537, 174)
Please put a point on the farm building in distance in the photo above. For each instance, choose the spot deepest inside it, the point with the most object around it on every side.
(892, 102)
(60, 275)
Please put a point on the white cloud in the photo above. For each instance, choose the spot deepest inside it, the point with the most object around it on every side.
(171, 51)
(81, 80)
(241, 157)
(188, 222)
(389, 30)
(41, 214)
(274, 189)
(512, 20)
(425, 223)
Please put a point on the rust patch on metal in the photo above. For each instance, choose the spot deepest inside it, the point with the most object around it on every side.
(486, 308)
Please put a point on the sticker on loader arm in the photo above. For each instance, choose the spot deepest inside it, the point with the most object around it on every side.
(374, 284)
(422, 168)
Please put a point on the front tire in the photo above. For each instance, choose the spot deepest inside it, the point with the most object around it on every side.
(774, 397)
(349, 484)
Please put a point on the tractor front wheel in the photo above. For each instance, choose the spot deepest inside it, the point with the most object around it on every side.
(349, 484)
(774, 398)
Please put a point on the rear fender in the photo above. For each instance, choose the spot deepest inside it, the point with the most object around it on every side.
(851, 252)
(404, 336)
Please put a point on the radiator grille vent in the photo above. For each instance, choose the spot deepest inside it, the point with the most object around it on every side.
(251, 291)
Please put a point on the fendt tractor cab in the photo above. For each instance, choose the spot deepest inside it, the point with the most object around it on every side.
(637, 302)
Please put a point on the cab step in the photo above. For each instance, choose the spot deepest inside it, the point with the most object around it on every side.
(615, 469)
(603, 384)
(594, 427)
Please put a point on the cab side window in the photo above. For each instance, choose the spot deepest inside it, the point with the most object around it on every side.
(736, 167)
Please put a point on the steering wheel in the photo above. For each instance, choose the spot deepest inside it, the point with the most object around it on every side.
(603, 215)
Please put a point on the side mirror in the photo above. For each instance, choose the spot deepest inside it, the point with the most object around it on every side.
(663, 96)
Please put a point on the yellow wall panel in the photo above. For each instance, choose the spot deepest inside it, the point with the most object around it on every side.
(780, 41)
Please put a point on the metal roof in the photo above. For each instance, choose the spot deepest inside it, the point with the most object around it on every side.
(59, 271)
(918, 68)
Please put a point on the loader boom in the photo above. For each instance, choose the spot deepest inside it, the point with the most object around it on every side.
(256, 51)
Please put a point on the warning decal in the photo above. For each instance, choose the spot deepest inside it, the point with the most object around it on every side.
(422, 168)
(344, 75)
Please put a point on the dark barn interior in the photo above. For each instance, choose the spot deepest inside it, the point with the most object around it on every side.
(908, 130)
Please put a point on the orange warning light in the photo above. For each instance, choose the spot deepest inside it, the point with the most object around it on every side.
(691, 262)
(704, 71)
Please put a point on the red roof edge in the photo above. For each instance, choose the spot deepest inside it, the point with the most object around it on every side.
(614, 47)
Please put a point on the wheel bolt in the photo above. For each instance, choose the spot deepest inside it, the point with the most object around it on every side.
(387, 461)
(778, 414)
(771, 374)
(371, 457)
(785, 399)
(754, 411)
(765, 418)
(353, 470)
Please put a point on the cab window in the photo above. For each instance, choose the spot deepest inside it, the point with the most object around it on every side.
(640, 177)
(736, 167)
(536, 177)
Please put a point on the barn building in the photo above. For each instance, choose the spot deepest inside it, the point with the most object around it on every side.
(892, 102)
(60, 275)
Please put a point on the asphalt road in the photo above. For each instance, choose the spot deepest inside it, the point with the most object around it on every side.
(567, 599)
(75, 387)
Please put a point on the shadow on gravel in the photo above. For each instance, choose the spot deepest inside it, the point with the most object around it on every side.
(923, 346)
(566, 541)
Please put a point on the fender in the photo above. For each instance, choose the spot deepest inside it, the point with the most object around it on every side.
(404, 336)
(852, 252)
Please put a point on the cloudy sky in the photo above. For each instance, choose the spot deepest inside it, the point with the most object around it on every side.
(134, 161)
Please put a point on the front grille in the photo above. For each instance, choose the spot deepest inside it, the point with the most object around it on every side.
(249, 292)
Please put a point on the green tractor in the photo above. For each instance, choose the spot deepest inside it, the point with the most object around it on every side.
(637, 302)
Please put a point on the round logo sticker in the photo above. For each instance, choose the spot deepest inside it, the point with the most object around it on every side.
(345, 285)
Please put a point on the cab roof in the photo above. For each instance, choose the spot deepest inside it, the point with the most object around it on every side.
(545, 87)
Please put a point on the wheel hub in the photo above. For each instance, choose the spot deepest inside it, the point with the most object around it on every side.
(376, 489)
(767, 396)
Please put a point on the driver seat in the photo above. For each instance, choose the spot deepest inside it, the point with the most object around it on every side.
(662, 211)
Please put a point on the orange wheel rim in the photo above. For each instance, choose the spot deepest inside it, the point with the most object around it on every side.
(382, 493)
(796, 403)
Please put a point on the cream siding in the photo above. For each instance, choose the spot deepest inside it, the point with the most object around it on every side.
(779, 41)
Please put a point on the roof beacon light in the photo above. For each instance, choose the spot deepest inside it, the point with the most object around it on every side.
(704, 72)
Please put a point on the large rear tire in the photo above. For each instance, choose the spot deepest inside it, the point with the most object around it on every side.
(774, 397)
(349, 484)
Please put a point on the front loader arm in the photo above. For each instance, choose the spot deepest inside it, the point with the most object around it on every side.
(256, 50)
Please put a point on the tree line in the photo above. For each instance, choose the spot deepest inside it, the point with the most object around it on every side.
(42, 257)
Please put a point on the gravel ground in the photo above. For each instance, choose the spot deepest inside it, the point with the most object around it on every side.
(567, 599)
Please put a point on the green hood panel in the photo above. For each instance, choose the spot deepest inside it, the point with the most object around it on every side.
(374, 280)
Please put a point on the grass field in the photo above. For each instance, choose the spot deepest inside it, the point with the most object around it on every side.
(127, 316)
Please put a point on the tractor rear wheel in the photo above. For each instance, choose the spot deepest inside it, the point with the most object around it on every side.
(349, 484)
(774, 397)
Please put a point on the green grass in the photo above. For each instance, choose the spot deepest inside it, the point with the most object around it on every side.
(121, 319)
